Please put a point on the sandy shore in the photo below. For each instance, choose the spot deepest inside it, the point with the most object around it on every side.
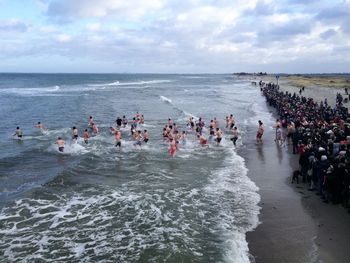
(296, 226)
(318, 87)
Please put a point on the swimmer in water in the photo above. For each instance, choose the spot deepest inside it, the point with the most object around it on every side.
(173, 147)
(235, 133)
(190, 124)
(211, 135)
(202, 140)
(145, 136)
(216, 122)
(94, 129)
(90, 121)
(112, 130)
(184, 137)
(218, 134)
(138, 139)
(201, 123)
(175, 129)
(231, 122)
(18, 133)
(60, 142)
(142, 119)
(86, 136)
(40, 126)
(165, 134)
(119, 122)
(133, 126)
(124, 121)
(75, 133)
(177, 138)
(118, 138)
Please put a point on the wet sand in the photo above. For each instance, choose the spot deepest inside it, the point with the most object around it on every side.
(287, 231)
(296, 226)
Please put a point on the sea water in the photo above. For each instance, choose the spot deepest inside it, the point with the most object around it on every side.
(96, 202)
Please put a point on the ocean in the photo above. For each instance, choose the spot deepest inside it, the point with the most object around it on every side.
(96, 202)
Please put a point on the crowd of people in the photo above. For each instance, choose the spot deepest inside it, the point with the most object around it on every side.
(320, 134)
(171, 134)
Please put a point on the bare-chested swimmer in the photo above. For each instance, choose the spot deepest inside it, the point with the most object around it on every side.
(190, 124)
(112, 130)
(260, 132)
(231, 122)
(18, 133)
(60, 142)
(184, 137)
(142, 119)
(218, 134)
(145, 136)
(90, 121)
(94, 129)
(138, 138)
(173, 147)
(216, 122)
(40, 126)
(118, 138)
(235, 134)
(202, 140)
(86, 136)
(75, 133)
(124, 121)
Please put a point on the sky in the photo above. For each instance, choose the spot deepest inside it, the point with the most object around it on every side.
(173, 36)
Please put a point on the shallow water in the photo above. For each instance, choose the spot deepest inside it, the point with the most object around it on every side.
(95, 202)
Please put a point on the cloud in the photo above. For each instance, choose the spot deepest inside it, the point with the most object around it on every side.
(194, 36)
(345, 26)
(261, 8)
(303, 2)
(334, 13)
(13, 25)
(63, 38)
(284, 31)
(72, 10)
(328, 33)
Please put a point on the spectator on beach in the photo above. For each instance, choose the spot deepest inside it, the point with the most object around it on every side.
(320, 134)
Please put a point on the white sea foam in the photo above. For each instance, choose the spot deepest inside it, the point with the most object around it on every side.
(30, 91)
(63, 91)
(259, 113)
(185, 113)
(165, 99)
(112, 218)
(115, 83)
(133, 83)
(236, 196)
(70, 148)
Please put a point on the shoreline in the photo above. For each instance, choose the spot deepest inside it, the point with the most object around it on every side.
(295, 225)
(286, 231)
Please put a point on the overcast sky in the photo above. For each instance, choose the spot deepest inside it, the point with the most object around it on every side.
(175, 36)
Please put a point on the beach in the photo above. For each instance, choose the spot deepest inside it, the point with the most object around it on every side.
(295, 225)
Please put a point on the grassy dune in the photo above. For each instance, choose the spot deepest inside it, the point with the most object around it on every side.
(308, 81)
(332, 81)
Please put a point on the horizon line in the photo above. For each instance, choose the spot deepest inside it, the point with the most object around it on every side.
(174, 73)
